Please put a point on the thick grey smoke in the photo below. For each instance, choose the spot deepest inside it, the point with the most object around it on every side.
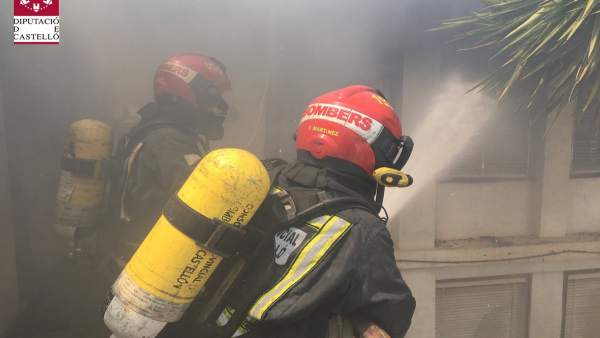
(110, 49)
(279, 55)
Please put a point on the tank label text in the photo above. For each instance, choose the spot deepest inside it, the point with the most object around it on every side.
(198, 269)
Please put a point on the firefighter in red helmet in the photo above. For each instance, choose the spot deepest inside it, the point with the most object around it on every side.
(340, 260)
(156, 156)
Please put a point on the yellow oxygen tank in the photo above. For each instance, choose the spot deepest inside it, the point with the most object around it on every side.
(180, 253)
(82, 182)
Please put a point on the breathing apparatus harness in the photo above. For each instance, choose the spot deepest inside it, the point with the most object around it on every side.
(125, 155)
(235, 287)
(353, 130)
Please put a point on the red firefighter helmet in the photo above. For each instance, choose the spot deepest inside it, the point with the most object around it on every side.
(196, 79)
(354, 124)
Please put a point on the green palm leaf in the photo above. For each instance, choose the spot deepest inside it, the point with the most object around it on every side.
(552, 43)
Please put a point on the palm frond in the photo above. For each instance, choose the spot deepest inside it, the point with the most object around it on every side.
(555, 44)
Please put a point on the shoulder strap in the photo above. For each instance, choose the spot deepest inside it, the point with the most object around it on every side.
(137, 134)
(274, 167)
(310, 203)
(233, 293)
(123, 160)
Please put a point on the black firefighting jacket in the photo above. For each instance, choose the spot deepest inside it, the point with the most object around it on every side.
(153, 159)
(336, 264)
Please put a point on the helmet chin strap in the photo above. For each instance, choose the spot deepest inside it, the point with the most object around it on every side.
(379, 193)
(389, 177)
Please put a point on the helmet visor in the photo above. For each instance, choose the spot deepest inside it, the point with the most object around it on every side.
(405, 146)
(226, 107)
(391, 151)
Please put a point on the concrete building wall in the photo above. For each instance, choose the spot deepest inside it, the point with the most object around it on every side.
(483, 209)
(584, 205)
(449, 209)
(556, 183)
(416, 221)
(549, 205)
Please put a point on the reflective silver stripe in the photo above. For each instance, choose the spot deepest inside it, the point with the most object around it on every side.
(319, 222)
(225, 316)
(202, 144)
(185, 73)
(191, 159)
(305, 262)
(243, 329)
(129, 164)
(369, 135)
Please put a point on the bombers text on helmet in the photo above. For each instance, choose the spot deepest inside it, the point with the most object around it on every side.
(354, 124)
(196, 79)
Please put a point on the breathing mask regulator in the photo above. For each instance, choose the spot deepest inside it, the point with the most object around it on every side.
(391, 155)
(208, 98)
(395, 153)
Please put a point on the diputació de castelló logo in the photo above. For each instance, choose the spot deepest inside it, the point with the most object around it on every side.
(36, 22)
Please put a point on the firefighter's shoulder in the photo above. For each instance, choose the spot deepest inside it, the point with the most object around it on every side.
(365, 224)
(359, 215)
(168, 141)
(166, 132)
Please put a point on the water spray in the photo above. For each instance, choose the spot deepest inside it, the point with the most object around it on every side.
(446, 130)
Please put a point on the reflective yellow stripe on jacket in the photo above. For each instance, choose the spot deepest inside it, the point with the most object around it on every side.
(330, 230)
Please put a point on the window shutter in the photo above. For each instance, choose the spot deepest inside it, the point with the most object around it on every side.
(582, 309)
(496, 308)
(586, 146)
